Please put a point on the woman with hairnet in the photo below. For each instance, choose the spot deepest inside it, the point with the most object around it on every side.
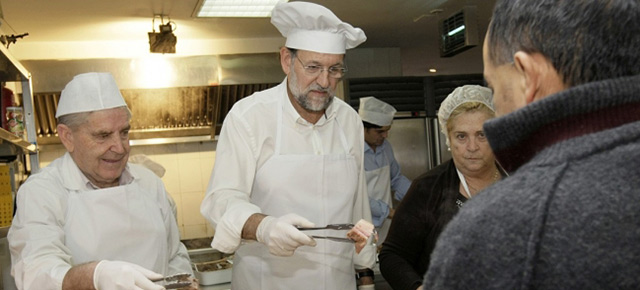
(435, 197)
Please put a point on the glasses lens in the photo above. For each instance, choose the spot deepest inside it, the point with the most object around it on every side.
(315, 70)
(312, 69)
(336, 72)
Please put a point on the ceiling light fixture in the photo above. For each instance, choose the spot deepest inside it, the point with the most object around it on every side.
(459, 32)
(163, 41)
(235, 8)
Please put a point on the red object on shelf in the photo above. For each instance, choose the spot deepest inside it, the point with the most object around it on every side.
(6, 101)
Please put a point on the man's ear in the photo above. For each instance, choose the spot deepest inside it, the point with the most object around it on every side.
(66, 136)
(285, 59)
(527, 66)
(541, 79)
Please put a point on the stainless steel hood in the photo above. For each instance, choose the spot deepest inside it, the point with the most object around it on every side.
(157, 113)
(191, 100)
(173, 98)
(160, 71)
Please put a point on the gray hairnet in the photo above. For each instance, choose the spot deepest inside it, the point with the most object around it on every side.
(459, 96)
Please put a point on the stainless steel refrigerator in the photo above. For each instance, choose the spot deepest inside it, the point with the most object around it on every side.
(418, 144)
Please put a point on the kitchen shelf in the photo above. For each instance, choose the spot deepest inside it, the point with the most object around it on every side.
(7, 136)
(11, 70)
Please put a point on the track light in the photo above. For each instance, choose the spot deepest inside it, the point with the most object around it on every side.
(9, 39)
(163, 41)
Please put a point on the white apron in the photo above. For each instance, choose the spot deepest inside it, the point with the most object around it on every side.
(117, 223)
(379, 188)
(320, 188)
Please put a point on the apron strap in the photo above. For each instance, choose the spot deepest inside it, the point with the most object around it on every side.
(343, 138)
(463, 181)
(279, 129)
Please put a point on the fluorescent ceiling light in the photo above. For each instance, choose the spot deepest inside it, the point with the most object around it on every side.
(452, 32)
(236, 8)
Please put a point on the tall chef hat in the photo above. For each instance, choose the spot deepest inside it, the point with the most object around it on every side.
(312, 27)
(459, 96)
(89, 92)
(376, 112)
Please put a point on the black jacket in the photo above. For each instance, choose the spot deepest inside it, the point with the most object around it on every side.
(432, 200)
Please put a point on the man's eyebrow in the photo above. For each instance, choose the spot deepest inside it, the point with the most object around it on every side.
(101, 132)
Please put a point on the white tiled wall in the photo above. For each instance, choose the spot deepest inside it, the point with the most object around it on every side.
(188, 168)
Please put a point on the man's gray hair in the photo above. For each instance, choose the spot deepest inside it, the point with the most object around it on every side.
(585, 40)
(74, 120)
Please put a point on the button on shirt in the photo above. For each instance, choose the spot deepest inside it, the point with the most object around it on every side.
(383, 156)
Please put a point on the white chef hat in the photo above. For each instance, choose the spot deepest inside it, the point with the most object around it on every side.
(89, 92)
(459, 96)
(376, 112)
(312, 27)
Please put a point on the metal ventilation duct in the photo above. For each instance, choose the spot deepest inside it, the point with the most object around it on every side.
(169, 113)
(192, 102)
(156, 113)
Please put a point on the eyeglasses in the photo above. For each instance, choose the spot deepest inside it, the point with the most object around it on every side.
(335, 72)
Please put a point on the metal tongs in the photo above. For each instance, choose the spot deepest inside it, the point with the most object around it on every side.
(330, 227)
(173, 281)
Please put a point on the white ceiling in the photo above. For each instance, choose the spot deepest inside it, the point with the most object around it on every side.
(52, 24)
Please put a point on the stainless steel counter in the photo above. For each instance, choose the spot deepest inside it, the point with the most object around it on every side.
(380, 283)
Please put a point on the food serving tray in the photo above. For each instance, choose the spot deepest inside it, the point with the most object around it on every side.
(211, 267)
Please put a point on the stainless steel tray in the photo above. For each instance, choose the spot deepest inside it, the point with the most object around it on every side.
(206, 256)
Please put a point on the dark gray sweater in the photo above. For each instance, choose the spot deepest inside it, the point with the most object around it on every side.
(568, 217)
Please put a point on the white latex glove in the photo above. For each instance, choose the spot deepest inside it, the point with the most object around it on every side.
(110, 275)
(281, 235)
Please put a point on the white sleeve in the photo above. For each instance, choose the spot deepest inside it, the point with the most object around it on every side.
(227, 203)
(399, 183)
(362, 210)
(40, 260)
(179, 261)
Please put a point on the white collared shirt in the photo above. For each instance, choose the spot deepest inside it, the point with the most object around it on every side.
(125, 178)
(247, 141)
(37, 236)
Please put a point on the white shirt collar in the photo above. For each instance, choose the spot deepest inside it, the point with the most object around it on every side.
(74, 179)
(380, 148)
(290, 111)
